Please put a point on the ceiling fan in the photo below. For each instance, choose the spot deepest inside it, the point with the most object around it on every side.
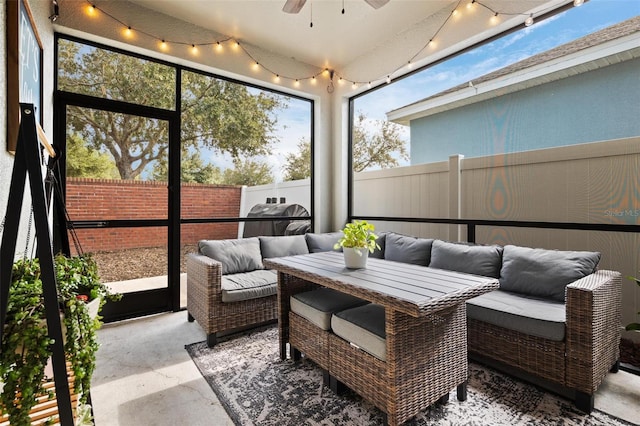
(295, 6)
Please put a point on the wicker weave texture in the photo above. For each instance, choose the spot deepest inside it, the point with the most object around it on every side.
(309, 339)
(541, 357)
(593, 329)
(426, 359)
(288, 285)
(204, 299)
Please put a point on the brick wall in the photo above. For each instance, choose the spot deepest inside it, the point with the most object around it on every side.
(104, 199)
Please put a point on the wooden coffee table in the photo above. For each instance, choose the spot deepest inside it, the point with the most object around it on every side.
(425, 327)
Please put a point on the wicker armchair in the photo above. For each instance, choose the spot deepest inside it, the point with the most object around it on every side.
(574, 367)
(204, 300)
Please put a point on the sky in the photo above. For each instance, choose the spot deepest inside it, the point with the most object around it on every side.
(294, 122)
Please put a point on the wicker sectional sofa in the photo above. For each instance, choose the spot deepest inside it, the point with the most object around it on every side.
(555, 321)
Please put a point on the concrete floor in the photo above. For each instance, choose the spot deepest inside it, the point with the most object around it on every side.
(145, 377)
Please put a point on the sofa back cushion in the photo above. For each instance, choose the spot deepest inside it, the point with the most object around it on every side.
(544, 273)
(406, 249)
(322, 242)
(472, 259)
(240, 255)
(381, 240)
(283, 246)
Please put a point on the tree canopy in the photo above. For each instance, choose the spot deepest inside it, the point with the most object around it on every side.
(298, 164)
(376, 145)
(225, 116)
(83, 162)
(373, 145)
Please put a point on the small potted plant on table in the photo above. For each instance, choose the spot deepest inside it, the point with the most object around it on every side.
(357, 242)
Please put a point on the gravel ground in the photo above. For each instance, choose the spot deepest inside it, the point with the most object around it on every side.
(137, 263)
(151, 262)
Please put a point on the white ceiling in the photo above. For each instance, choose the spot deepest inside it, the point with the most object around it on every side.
(363, 44)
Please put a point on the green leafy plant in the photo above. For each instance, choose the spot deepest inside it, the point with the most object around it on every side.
(634, 325)
(358, 234)
(26, 345)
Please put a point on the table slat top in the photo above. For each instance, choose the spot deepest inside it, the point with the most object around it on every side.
(413, 289)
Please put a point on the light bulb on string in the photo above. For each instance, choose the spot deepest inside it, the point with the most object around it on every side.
(577, 3)
(163, 45)
(494, 19)
(529, 21)
(470, 4)
(256, 66)
(388, 79)
(91, 10)
(194, 49)
(218, 46)
(128, 32)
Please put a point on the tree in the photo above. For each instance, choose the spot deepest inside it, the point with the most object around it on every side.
(248, 172)
(83, 162)
(376, 147)
(216, 113)
(371, 147)
(299, 163)
(192, 169)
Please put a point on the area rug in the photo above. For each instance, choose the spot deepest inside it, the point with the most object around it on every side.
(257, 388)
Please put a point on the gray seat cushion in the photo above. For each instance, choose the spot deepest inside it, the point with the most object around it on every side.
(323, 242)
(403, 248)
(536, 317)
(544, 273)
(472, 259)
(283, 246)
(364, 327)
(241, 255)
(318, 305)
(249, 285)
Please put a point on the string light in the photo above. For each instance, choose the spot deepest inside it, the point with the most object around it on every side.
(218, 45)
(529, 21)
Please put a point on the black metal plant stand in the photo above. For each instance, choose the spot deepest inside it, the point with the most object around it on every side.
(27, 163)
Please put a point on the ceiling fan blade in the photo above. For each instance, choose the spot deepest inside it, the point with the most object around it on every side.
(376, 4)
(294, 6)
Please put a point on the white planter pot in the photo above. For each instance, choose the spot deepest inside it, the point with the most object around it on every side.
(355, 257)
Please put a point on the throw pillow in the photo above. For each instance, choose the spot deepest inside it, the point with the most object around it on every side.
(402, 248)
(322, 242)
(283, 246)
(544, 273)
(472, 259)
(241, 255)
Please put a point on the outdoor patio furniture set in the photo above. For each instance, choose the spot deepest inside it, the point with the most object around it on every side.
(554, 321)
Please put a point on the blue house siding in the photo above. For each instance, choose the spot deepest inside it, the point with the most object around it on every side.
(598, 105)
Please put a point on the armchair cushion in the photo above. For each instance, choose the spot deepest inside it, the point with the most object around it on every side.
(403, 248)
(544, 273)
(249, 285)
(241, 255)
(290, 245)
(471, 259)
